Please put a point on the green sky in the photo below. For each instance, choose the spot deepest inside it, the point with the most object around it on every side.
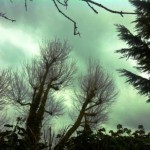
(20, 40)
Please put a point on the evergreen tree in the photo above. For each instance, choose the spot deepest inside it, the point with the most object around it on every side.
(138, 47)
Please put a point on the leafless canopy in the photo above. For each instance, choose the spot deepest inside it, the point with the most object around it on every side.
(34, 86)
(5, 79)
(35, 83)
(46, 73)
(96, 93)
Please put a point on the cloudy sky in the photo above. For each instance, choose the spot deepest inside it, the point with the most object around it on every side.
(20, 40)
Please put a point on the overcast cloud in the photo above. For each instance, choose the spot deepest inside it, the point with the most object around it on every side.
(20, 40)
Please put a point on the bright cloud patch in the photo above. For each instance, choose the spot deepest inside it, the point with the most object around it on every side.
(19, 39)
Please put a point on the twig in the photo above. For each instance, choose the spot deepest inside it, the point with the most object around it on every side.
(76, 32)
(92, 8)
(4, 16)
(110, 10)
(23, 104)
(50, 113)
(64, 4)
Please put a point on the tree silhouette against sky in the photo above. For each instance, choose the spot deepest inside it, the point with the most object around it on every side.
(138, 47)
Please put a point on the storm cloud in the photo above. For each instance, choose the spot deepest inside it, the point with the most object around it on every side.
(98, 40)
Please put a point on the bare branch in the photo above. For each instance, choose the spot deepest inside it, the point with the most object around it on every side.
(23, 104)
(92, 8)
(4, 16)
(93, 109)
(76, 32)
(18, 89)
(92, 106)
(5, 79)
(53, 107)
(54, 58)
(110, 10)
(90, 114)
(89, 2)
(49, 72)
(65, 3)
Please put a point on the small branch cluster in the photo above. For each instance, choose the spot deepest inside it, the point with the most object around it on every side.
(89, 3)
(64, 3)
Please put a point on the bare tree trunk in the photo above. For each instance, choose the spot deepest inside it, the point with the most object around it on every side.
(34, 122)
(72, 129)
(33, 130)
(96, 91)
(46, 75)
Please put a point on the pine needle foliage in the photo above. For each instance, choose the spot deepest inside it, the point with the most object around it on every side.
(138, 47)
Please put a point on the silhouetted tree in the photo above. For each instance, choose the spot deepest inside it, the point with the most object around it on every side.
(96, 92)
(33, 87)
(49, 73)
(139, 47)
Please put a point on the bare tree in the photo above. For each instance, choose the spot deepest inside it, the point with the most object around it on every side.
(92, 4)
(34, 86)
(96, 93)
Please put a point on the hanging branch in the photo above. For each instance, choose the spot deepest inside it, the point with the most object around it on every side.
(92, 8)
(89, 3)
(64, 3)
(76, 32)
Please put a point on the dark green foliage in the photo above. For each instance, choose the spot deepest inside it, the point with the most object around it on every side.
(13, 137)
(143, 18)
(138, 46)
(140, 83)
(122, 139)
